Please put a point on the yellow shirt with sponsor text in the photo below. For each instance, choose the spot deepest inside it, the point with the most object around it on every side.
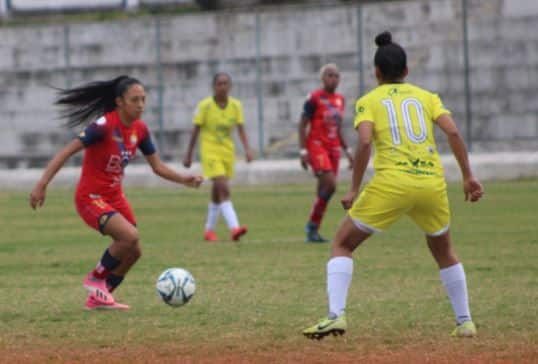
(403, 116)
(216, 125)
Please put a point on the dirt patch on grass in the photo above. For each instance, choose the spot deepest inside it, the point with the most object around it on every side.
(310, 353)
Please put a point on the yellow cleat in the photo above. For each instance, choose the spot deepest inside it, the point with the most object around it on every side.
(326, 327)
(466, 329)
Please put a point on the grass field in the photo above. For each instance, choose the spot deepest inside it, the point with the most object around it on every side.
(254, 298)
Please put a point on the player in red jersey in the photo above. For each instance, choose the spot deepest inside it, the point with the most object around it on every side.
(110, 143)
(320, 147)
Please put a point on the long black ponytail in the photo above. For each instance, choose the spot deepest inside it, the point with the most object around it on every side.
(90, 101)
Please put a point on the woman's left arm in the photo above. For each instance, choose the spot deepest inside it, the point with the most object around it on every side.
(347, 150)
(163, 171)
(249, 155)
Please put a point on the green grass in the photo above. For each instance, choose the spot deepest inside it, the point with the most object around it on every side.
(259, 294)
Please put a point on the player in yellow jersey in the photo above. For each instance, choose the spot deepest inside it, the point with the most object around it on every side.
(398, 119)
(214, 119)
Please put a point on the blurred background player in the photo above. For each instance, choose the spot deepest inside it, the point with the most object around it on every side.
(398, 118)
(323, 113)
(110, 143)
(214, 119)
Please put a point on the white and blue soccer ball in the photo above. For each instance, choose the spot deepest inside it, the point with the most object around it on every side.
(176, 286)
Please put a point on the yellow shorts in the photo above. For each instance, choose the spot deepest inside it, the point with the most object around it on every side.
(391, 194)
(217, 167)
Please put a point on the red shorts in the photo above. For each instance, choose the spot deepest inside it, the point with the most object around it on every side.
(95, 210)
(323, 159)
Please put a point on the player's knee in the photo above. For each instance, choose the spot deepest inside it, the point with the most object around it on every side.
(327, 192)
(131, 239)
(136, 253)
(331, 189)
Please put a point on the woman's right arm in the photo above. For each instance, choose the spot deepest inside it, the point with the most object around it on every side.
(303, 125)
(187, 161)
(37, 196)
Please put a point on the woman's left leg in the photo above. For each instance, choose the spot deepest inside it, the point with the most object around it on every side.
(325, 189)
(222, 191)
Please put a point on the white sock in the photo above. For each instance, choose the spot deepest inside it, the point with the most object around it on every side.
(213, 212)
(453, 279)
(227, 209)
(339, 273)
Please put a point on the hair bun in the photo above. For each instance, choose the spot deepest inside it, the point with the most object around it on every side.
(383, 39)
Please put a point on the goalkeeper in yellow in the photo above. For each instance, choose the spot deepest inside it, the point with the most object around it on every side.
(214, 119)
(398, 119)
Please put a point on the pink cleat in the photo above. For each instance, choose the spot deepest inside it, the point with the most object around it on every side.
(210, 235)
(98, 288)
(92, 303)
(238, 232)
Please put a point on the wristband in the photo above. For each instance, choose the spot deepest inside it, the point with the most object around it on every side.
(303, 152)
(349, 150)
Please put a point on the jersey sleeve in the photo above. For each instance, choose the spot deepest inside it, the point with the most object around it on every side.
(146, 145)
(309, 108)
(363, 112)
(93, 133)
(438, 108)
(199, 114)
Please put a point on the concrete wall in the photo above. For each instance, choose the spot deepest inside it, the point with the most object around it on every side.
(295, 42)
(486, 167)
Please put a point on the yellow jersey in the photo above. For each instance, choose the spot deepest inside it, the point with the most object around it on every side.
(403, 116)
(216, 126)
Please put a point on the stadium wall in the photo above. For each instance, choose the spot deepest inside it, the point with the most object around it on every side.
(293, 43)
(487, 167)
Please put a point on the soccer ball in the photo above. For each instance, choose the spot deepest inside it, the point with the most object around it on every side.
(175, 286)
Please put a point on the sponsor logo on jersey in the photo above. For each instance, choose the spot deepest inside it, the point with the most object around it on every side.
(134, 139)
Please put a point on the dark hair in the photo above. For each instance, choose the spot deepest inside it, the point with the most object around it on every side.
(92, 100)
(218, 74)
(390, 57)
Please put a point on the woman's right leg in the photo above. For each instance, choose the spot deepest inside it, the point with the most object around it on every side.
(213, 212)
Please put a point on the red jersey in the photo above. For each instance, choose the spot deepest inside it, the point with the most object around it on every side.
(110, 145)
(325, 112)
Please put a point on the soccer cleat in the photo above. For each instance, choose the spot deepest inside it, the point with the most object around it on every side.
(92, 303)
(210, 235)
(238, 232)
(466, 329)
(312, 234)
(98, 288)
(326, 327)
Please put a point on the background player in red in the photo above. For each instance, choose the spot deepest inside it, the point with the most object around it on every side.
(320, 146)
(110, 143)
